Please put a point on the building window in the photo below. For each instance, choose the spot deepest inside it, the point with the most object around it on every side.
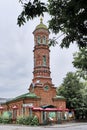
(30, 111)
(23, 111)
(44, 40)
(14, 114)
(38, 40)
(44, 60)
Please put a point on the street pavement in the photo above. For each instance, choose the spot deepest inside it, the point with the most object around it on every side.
(68, 126)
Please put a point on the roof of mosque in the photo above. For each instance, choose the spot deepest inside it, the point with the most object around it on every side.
(23, 96)
(59, 98)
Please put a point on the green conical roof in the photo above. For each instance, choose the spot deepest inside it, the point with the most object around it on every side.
(41, 25)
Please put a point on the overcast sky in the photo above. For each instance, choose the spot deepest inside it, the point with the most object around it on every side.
(16, 52)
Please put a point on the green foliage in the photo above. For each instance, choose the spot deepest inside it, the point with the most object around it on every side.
(71, 90)
(7, 115)
(30, 120)
(6, 120)
(75, 93)
(81, 113)
(84, 92)
(31, 10)
(67, 16)
(35, 121)
(80, 62)
(20, 120)
(0, 119)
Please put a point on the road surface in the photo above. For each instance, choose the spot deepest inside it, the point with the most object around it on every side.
(70, 126)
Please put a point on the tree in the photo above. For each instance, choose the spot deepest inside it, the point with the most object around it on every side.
(75, 93)
(71, 90)
(80, 62)
(84, 92)
(67, 16)
(81, 112)
(31, 10)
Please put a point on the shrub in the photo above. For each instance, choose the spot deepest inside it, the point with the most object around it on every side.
(81, 113)
(0, 119)
(30, 120)
(6, 121)
(35, 121)
(6, 117)
(20, 120)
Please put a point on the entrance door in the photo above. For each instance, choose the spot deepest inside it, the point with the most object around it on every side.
(59, 117)
(44, 117)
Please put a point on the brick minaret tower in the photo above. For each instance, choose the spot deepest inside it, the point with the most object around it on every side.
(41, 73)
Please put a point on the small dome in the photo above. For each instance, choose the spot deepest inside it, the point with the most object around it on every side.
(41, 25)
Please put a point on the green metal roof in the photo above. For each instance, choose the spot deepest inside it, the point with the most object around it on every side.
(26, 95)
(29, 95)
(59, 97)
(41, 25)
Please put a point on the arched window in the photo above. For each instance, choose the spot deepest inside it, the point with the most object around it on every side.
(44, 60)
(44, 40)
(38, 40)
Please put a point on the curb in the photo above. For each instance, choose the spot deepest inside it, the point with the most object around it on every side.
(65, 125)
